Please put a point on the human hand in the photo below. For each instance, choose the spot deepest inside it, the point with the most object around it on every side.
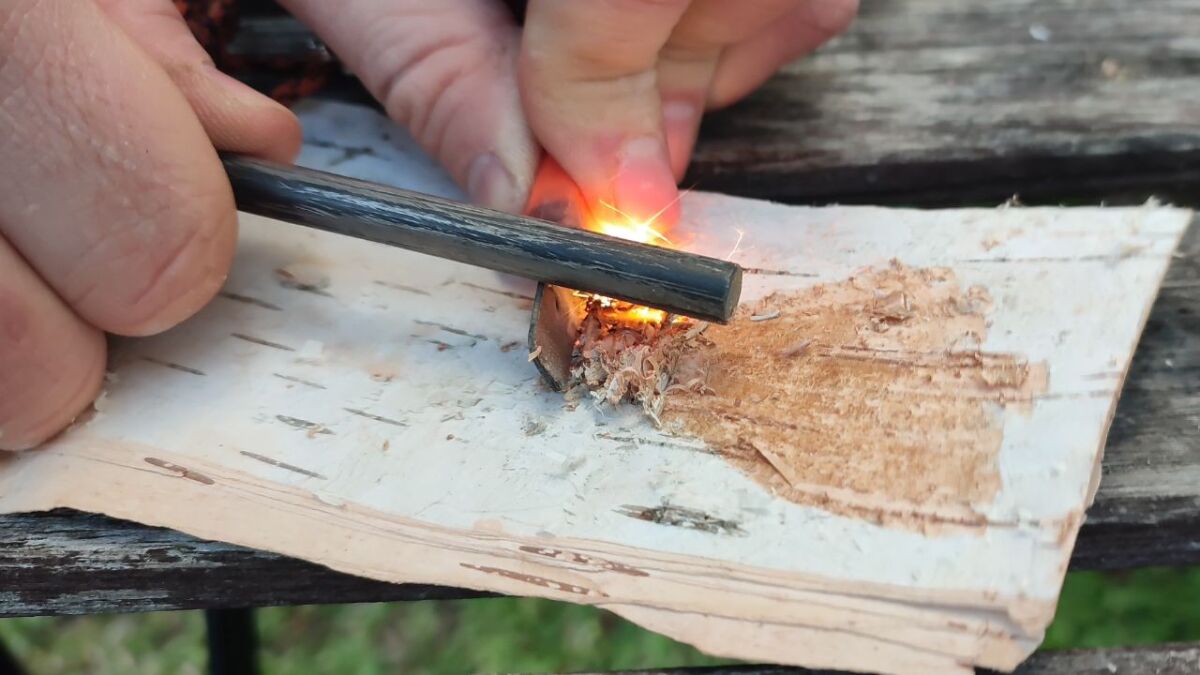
(115, 213)
(612, 89)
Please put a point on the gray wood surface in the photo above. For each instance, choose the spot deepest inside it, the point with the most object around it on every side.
(926, 101)
(1158, 660)
(944, 101)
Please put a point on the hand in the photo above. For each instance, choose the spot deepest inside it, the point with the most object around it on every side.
(115, 213)
(612, 89)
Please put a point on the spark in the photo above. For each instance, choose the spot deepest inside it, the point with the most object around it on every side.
(641, 231)
(736, 244)
(669, 204)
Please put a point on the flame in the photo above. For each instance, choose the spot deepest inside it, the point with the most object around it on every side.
(646, 231)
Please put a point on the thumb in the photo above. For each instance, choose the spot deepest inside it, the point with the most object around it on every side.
(235, 117)
(447, 71)
(590, 88)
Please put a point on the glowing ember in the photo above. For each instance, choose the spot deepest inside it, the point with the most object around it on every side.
(642, 231)
(616, 311)
(628, 352)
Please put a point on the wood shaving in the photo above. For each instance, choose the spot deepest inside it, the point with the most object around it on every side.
(617, 361)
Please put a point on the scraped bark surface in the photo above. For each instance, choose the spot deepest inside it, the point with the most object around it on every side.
(870, 396)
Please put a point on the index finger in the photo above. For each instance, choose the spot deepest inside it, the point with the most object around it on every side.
(589, 88)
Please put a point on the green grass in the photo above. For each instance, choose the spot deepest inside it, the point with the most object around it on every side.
(1147, 606)
(507, 634)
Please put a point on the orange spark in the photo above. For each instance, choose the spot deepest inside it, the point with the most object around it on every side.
(645, 231)
(736, 244)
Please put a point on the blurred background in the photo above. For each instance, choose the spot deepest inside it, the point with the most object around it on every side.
(1147, 606)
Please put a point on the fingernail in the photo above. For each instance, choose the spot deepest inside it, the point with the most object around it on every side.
(490, 184)
(681, 119)
(644, 186)
(679, 112)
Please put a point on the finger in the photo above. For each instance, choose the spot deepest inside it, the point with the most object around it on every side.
(747, 65)
(108, 185)
(51, 363)
(689, 61)
(554, 196)
(234, 116)
(447, 71)
(589, 85)
(684, 79)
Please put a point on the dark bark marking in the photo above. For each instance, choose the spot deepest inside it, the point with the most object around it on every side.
(181, 471)
(401, 287)
(297, 380)
(173, 366)
(260, 341)
(348, 152)
(377, 418)
(450, 329)
(583, 559)
(282, 465)
(245, 299)
(289, 280)
(305, 425)
(507, 294)
(762, 271)
(677, 516)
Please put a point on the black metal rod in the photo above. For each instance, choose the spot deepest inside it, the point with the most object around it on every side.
(232, 641)
(9, 665)
(682, 283)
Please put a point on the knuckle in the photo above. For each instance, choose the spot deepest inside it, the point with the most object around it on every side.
(420, 80)
(162, 262)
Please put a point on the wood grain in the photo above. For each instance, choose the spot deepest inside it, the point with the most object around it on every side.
(944, 103)
(65, 562)
(941, 102)
(1147, 511)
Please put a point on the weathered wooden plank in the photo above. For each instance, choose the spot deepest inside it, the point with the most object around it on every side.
(1147, 511)
(1182, 659)
(66, 562)
(938, 102)
(943, 102)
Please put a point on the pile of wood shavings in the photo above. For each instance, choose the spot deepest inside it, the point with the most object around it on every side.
(619, 360)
